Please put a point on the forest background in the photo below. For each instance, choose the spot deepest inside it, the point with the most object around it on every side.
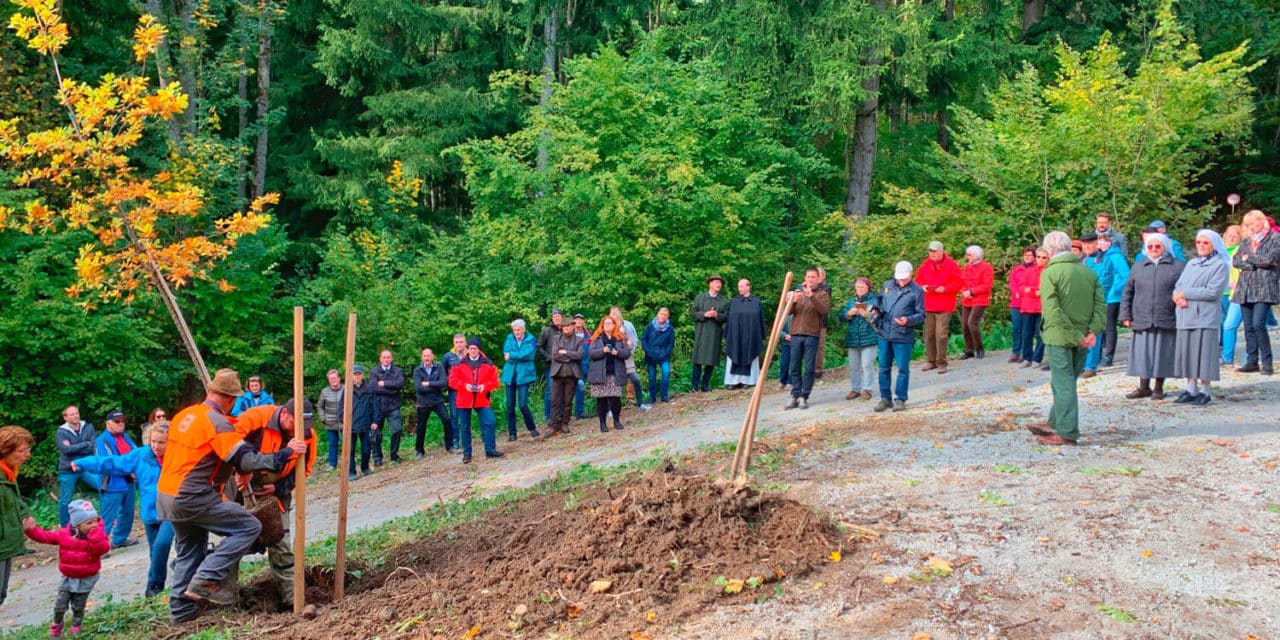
(447, 166)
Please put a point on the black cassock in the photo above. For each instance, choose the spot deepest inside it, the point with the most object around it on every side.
(744, 333)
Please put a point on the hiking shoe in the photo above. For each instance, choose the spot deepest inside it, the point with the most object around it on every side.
(419, 455)
(1248, 368)
(646, 407)
(804, 403)
(126, 543)
(466, 459)
(494, 454)
(1088, 373)
(795, 402)
(511, 438)
(966, 356)
(210, 592)
(883, 405)
(981, 354)
(617, 426)
(533, 433)
(899, 405)
(866, 394)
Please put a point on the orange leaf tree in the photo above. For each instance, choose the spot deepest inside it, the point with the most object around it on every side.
(151, 228)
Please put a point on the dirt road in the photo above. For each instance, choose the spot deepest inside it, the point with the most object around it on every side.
(1163, 514)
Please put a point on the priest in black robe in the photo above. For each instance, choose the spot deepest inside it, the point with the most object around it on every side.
(743, 338)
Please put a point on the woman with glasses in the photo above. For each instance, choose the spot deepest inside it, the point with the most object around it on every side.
(1198, 299)
(1147, 308)
(1031, 351)
(157, 415)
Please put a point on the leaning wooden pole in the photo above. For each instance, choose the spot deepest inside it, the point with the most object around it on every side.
(300, 490)
(742, 454)
(344, 467)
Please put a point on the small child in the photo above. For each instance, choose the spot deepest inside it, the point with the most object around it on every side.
(81, 546)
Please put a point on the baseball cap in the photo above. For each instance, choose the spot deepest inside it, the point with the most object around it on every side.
(935, 246)
(902, 270)
(115, 415)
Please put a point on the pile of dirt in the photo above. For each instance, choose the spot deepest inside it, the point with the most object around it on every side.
(607, 562)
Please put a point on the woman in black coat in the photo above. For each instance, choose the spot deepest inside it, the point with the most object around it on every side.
(1148, 309)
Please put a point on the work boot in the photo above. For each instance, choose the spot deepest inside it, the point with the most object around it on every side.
(210, 592)
(804, 403)
(967, 355)
(899, 405)
(883, 405)
(795, 402)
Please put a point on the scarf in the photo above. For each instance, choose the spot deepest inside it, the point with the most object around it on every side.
(11, 474)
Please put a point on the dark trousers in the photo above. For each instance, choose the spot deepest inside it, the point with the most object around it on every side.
(606, 405)
(1032, 348)
(804, 355)
(392, 422)
(76, 600)
(1111, 332)
(1015, 324)
(420, 430)
(6, 570)
(971, 325)
(702, 376)
(784, 362)
(194, 561)
(891, 354)
(160, 542)
(518, 395)
(1257, 344)
(359, 440)
(562, 390)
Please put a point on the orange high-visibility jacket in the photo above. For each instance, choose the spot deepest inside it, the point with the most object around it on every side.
(262, 427)
(205, 447)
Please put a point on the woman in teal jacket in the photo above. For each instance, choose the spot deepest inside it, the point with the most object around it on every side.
(518, 373)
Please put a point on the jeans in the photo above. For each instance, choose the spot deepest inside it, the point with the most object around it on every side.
(67, 489)
(580, 397)
(802, 363)
(1015, 324)
(891, 354)
(487, 426)
(518, 394)
(1231, 321)
(420, 430)
(659, 388)
(359, 440)
(1032, 349)
(335, 443)
(971, 325)
(160, 542)
(862, 367)
(1112, 332)
(937, 328)
(1257, 344)
(392, 422)
(239, 530)
(784, 362)
(562, 390)
(1092, 357)
(117, 514)
(453, 415)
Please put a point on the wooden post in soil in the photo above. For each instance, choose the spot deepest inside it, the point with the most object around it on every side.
(344, 466)
(300, 485)
(742, 454)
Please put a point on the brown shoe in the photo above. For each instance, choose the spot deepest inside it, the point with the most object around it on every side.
(929, 367)
(1140, 392)
(1088, 373)
(1040, 429)
(866, 394)
(1054, 439)
(852, 395)
(942, 368)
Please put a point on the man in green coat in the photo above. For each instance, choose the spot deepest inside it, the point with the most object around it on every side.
(1074, 312)
(710, 311)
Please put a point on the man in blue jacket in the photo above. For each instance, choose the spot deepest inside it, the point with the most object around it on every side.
(75, 439)
(899, 312)
(364, 418)
(387, 380)
(658, 339)
(429, 386)
(1114, 292)
(117, 488)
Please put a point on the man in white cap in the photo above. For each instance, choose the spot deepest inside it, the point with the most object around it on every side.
(899, 312)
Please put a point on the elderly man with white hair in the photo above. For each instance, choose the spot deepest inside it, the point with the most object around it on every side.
(1074, 312)
(975, 297)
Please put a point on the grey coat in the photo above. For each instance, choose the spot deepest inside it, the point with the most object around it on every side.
(569, 363)
(1259, 271)
(1147, 302)
(1202, 282)
(79, 444)
(596, 373)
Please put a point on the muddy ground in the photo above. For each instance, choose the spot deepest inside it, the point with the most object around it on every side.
(949, 522)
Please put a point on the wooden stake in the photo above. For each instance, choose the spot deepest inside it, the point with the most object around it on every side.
(344, 467)
(742, 454)
(300, 485)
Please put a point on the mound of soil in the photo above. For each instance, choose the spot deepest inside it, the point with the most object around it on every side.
(608, 562)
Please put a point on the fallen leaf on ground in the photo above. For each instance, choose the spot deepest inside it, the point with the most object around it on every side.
(834, 556)
(600, 586)
(1146, 554)
(572, 610)
(939, 566)
(650, 616)
(471, 633)
(640, 635)
(920, 635)
(1043, 538)
(889, 580)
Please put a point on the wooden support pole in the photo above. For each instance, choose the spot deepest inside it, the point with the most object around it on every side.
(344, 466)
(300, 490)
(742, 454)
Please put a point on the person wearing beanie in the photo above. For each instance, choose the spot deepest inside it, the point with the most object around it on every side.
(474, 378)
(81, 545)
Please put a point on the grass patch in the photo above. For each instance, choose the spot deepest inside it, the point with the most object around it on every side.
(717, 449)
(1008, 468)
(1132, 472)
(993, 499)
(1273, 508)
(1116, 613)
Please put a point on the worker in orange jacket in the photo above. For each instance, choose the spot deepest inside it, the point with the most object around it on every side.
(269, 428)
(205, 447)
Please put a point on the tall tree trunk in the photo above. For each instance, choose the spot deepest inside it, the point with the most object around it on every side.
(861, 155)
(264, 98)
(242, 112)
(154, 9)
(944, 91)
(1032, 12)
(944, 128)
(550, 30)
(188, 55)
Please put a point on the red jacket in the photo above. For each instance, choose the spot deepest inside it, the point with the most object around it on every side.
(1015, 290)
(978, 278)
(78, 557)
(483, 374)
(1029, 301)
(943, 273)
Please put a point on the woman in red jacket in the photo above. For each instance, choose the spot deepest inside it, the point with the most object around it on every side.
(81, 546)
(1015, 300)
(474, 378)
(975, 297)
(1032, 348)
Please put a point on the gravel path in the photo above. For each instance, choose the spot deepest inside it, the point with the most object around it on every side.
(930, 465)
